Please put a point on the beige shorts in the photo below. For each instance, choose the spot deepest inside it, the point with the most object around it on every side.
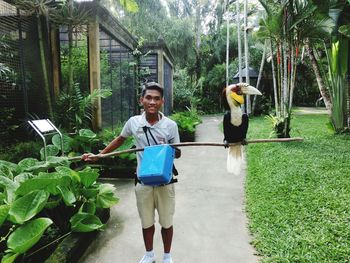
(160, 198)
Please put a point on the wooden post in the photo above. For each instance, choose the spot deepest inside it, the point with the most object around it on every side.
(55, 61)
(94, 71)
(160, 67)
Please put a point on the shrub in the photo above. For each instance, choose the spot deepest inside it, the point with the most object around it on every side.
(32, 199)
(18, 151)
(187, 122)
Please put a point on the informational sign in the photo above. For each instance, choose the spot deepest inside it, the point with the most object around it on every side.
(43, 126)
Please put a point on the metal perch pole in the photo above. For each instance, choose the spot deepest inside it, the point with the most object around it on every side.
(183, 144)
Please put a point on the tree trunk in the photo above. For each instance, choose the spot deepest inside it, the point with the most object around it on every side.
(44, 68)
(246, 54)
(198, 40)
(321, 86)
(274, 79)
(239, 41)
(227, 46)
(260, 73)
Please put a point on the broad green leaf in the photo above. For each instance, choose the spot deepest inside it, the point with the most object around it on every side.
(84, 222)
(345, 30)
(4, 210)
(88, 176)
(13, 167)
(89, 192)
(68, 197)
(44, 181)
(26, 236)
(54, 161)
(88, 207)
(56, 140)
(51, 150)
(39, 167)
(87, 133)
(28, 162)
(26, 207)
(2, 198)
(6, 171)
(9, 187)
(69, 172)
(10, 258)
(22, 177)
(106, 197)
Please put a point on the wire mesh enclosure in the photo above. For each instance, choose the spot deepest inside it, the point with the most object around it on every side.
(79, 57)
(118, 75)
(97, 54)
(20, 72)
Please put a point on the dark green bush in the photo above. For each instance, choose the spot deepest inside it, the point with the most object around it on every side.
(187, 122)
(18, 151)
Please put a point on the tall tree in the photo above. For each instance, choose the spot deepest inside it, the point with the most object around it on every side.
(40, 9)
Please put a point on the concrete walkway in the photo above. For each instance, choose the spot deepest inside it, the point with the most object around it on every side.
(209, 225)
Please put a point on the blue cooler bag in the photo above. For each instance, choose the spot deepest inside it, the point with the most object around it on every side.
(157, 165)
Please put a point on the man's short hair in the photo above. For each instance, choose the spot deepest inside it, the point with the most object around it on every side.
(152, 86)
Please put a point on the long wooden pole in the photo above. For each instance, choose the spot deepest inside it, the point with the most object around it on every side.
(184, 144)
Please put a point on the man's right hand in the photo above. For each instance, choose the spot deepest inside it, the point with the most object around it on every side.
(226, 144)
(89, 157)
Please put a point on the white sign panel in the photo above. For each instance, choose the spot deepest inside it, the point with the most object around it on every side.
(43, 125)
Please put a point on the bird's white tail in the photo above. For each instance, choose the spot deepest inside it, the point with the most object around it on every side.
(235, 159)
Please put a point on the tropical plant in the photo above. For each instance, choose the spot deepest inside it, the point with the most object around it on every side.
(74, 18)
(287, 27)
(29, 193)
(337, 57)
(187, 122)
(7, 126)
(74, 111)
(4, 69)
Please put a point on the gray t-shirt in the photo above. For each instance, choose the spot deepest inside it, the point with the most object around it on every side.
(164, 131)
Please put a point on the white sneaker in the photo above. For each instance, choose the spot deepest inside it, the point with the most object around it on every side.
(168, 260)
(148, 259)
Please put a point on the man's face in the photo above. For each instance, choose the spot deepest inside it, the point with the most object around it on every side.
(152, 101)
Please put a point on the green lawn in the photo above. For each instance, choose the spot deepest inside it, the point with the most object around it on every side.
(298, 194)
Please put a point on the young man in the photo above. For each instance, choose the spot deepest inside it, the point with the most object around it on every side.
(151, 128)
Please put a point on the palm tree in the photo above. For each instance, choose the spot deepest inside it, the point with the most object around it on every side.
(337, 50)
(289, 26)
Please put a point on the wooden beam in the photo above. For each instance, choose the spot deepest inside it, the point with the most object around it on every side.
(94, 71)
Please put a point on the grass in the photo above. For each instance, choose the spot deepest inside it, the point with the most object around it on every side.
(298, 194)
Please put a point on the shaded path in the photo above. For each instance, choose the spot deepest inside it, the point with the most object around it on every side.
(210, 225)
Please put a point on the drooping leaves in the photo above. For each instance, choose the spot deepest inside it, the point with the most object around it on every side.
(106, 197)
(28, 163)
(68, 196)
(26, 207)
(88, 176)
(4, 210)
(44, 181)
(51, 150)
(87, 133)
(84, 222)
(26, 236)
(56, 140)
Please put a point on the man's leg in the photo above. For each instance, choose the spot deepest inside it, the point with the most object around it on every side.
(167, 236)
(148, 234)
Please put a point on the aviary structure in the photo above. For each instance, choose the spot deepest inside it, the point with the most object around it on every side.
(236, 124)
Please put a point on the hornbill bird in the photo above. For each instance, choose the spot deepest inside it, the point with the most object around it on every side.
(236, 124)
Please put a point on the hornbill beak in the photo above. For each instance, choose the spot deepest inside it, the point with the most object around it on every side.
(236, 92)
(249, 90)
